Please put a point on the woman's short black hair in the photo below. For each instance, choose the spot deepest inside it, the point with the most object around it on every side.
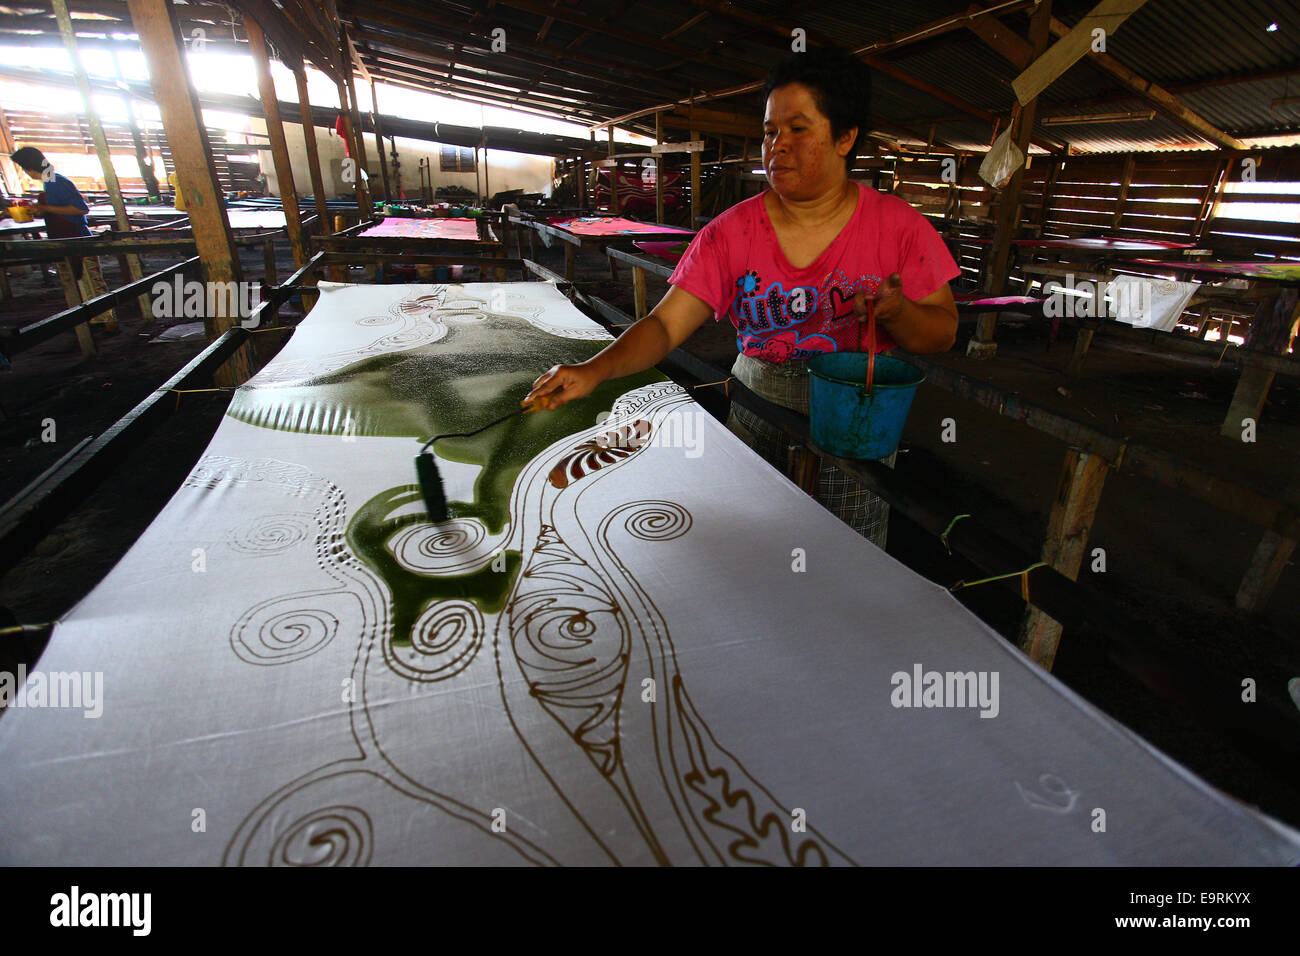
(841, 88)
(28, 157)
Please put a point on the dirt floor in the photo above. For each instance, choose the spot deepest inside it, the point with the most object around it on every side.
(1173, 564)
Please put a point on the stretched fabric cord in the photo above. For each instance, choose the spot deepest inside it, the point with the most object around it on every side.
(725, 383)
(191, 391)
(943, 538)
(1023, 575)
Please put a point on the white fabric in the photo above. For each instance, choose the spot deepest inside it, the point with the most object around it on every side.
(1150, 303)
(662, 684)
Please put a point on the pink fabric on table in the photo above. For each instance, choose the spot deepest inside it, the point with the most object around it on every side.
(737, 267)
(966, 299)
(424, 228)
(669, 249)
(610, 226)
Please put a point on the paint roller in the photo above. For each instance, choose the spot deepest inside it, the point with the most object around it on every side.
(426, 466)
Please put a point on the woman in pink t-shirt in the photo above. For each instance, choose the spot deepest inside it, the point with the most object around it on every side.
(793, 269)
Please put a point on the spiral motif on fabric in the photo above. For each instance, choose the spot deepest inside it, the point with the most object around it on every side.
(330, 836)
(272, 534)
(462, 318)
(408, 337)
(444, 641)
(287, 629)
(450, 546)
(657, 520)
(386, 319)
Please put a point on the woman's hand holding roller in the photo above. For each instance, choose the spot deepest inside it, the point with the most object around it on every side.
(562, 384)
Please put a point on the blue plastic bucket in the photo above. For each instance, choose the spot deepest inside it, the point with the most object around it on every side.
(848, 421)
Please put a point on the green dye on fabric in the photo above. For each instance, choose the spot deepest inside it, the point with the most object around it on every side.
(413, 591)
(477, 372)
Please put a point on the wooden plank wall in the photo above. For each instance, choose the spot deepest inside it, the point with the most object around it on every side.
(1172, 197)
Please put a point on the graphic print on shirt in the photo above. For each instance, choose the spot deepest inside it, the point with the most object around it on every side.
(778, 325)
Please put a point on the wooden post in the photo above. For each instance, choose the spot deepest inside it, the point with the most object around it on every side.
(1269, 560)
(638, 291)
(1266, 566)
(132, 261)
(268, 263)
(137, 141)
(313, 154)
(695, 184)
(1078, 492)
(1083, 335)
(1248, 398)
(155, 22)
(379, 141)
(72, 296)
(1125, 181)
(487, 189)
(981, 344)
(357, 137)
(279, 146)
(1049, 184)
(659, 176)
(569, 256)
(350, 135)
(1214, 190)
(613, 176)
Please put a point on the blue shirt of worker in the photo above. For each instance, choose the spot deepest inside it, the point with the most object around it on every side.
(59, 191)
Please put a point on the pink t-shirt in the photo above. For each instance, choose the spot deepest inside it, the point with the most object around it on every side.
(736, 265)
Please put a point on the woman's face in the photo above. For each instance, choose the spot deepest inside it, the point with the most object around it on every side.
(800, 156)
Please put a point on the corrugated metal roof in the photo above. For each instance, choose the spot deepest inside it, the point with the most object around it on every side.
(1170, 42)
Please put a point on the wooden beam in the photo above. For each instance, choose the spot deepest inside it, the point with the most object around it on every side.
(1003, 39)
(1078, 493)
(695, 185)
(659, 182)
(313, 154)
(350, 135)
(613, 177)
(285, 36)
(981, 344)
(1107, 16)
(1126, 180)
(192, 158)
(1158, 96)
(279, 145)
(350, 105)
(639, 37)
(132, 262)
(378, 126)
(407, 17)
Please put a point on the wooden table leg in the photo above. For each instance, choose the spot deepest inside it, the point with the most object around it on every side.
(1082, 341)
(1078, 492)
(268, 263)
(569, 255)
(72, 295)
(1266, 566)
(638, 291)
(1248, 399)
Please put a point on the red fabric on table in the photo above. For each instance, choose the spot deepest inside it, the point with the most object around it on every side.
(610, 226)
(669, 249)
